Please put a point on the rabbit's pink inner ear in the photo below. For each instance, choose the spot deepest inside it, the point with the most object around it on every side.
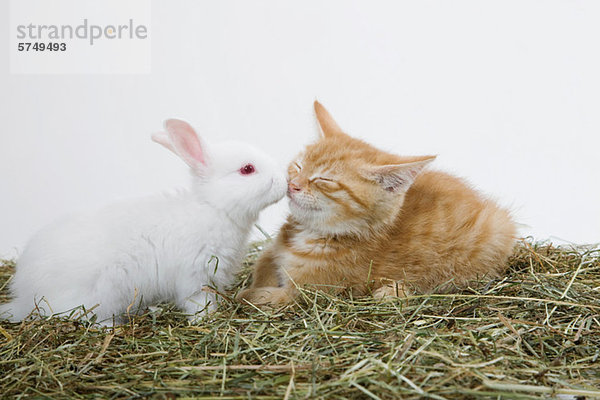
(186, 142)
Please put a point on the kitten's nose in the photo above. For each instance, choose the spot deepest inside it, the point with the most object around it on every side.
(294, 186)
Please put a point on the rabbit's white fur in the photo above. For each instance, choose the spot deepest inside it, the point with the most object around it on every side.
(163, 248)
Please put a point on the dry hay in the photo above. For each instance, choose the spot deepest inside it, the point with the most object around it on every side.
(534, 334)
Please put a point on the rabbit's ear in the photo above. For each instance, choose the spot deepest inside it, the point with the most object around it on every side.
(184, 141)
(163, 139)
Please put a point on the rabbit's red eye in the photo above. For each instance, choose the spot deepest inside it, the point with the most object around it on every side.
(247, 169)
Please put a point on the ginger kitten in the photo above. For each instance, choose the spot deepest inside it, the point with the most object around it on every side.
(370, 221)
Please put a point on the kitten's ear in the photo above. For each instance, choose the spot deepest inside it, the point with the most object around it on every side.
(397, 178)
(328, 125)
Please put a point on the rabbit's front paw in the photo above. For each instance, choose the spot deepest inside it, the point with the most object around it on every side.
(273, 296)
(199, 305)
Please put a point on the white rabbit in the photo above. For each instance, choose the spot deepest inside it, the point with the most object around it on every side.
(162, 248)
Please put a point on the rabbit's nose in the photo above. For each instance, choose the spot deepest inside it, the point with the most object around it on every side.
(294, 186)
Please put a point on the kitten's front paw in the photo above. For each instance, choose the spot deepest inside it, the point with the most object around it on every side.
(273, 296)
(390, 290)
(244, 295)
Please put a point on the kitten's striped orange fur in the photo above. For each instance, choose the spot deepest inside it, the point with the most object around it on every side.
(367, 220)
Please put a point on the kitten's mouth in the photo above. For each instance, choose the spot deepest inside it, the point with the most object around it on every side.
(300, 205)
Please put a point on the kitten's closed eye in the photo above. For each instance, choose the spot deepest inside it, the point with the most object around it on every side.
(298, 166)
(325, 183)
(319, 178)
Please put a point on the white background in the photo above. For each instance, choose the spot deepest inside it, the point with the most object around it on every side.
(506, 92)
